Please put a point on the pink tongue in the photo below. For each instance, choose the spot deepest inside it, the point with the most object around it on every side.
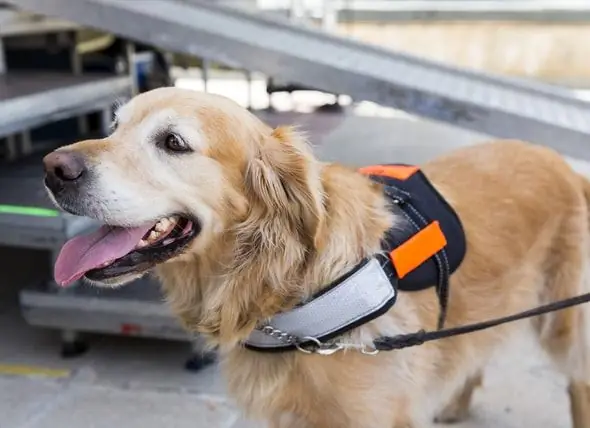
(87, 252)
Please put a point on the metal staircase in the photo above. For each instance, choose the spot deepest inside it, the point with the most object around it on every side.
(253, 41)
(489, 104)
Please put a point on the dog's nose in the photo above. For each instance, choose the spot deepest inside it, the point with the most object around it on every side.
(62, 167)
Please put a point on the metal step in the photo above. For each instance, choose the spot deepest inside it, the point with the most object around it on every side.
(493, 105)
(27, 217)
(133, 310)
(29, 220)
(29, 225)
(28, 100)
(13, 23)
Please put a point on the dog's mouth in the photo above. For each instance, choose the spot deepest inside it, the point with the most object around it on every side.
(114, 251)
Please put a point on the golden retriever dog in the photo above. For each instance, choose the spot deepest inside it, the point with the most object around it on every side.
(240, 222)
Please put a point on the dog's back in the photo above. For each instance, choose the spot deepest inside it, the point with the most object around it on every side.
(526, 216)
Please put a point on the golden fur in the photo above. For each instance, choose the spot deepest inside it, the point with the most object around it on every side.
(279, 225)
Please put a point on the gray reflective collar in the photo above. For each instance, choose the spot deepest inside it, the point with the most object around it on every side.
(360, 297)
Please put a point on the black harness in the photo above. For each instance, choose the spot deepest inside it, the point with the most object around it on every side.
(417, 201)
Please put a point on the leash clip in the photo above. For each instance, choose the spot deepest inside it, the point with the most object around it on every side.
(312, 345)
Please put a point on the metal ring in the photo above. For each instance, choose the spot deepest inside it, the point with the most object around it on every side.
(308, 339)
(367, 351)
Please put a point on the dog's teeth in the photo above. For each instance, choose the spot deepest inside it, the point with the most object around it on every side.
(163, 225)
(153, 236)
(142, 243)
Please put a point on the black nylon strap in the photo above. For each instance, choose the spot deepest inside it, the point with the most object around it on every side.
(414, 339)
(442, 290)
(419, 220)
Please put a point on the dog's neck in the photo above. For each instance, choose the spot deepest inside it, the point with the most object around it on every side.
(271, 267)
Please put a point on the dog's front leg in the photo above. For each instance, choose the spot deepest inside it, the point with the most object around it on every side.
(457, 409)
(404, 419)
(579, 394)
(285, 420)
(404, 423)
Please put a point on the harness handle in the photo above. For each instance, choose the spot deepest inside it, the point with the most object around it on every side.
(420, 337)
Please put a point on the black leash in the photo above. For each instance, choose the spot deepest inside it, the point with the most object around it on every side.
(414, 339)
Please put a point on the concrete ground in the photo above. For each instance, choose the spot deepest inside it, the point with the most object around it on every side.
(124, 382)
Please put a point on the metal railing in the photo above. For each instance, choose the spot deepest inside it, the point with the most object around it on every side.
(410, 10)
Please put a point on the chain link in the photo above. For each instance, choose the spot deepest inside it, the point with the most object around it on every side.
(286, 338)
(317, 347)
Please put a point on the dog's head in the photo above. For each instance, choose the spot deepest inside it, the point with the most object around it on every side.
(181, 171)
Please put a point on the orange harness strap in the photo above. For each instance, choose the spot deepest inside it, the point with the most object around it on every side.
(417, 249)
(400, 172)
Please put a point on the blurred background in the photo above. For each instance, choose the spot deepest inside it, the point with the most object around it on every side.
(369, 80)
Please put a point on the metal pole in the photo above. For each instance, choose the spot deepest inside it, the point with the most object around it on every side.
(329, 15)
(76, 65)
(11, 149)
(296, 10)
(130, 54)
(106, 118)
(2, 59)
(26, 143)
(250, 95)
(10, 139)
(205, 73)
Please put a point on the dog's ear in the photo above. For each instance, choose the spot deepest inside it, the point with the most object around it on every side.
(285, 220)
(285, 179)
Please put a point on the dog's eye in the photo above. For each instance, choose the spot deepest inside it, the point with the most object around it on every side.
(174, 143)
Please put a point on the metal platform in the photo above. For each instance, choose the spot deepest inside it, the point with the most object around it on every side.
(28, 100)
(461, 10)
(133, 310)
(29, 220)
(493, 105)
(14, 23)
(27, 217)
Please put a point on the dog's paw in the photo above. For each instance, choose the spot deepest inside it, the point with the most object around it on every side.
(452, 415)
(457, 409)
